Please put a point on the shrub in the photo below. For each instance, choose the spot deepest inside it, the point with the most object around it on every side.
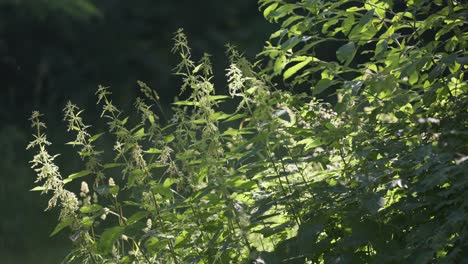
(375, 171)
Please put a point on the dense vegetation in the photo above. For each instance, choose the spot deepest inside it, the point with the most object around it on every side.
(54, 51)
(367, 165)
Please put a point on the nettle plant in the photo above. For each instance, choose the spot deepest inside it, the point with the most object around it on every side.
(377, 174)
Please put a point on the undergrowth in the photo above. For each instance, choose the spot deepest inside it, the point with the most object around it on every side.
(377, 175)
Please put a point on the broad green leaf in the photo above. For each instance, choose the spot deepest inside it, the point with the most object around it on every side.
(76, 175)
(235, 117)
(348, 23)
(322, 85)
(269, 9)
(87, 221)
(220, 116)
(290, 20)
(133, 176)
(233, 132)
(291, 43)
(292, 70)
(310, 143)
(87, 209)
(169, 138)
(140, 133)
(283, 11)
(367, 17)
(169, 181)
(462, 60)
(108, 237)
(330, 22)
(63, 223)
(345, 53)
(162, 190)
(279, 64)
(137, 217)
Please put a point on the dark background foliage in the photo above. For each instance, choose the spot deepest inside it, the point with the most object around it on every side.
(54, 51)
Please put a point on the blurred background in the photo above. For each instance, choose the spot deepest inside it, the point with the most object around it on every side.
(52, 51)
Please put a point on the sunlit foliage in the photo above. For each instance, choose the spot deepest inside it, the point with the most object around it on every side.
(368, 166)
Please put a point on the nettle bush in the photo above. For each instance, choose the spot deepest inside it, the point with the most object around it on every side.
(377, 175)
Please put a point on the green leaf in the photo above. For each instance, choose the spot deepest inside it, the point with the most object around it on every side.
(462, 60)
(310, 143)
(108, 237)
(345, 53)
(64, 223)
(191, 103)
(87, 221)
(168, 182)
(88, 209)
(169, 138)
(218, 97)
(291, 71)
(322, 85)
(112, 165)
(279, 64)
(37, 188)
(235, 117)
(136, 217)
(153, 151)
(140, 133)
(162, 190)
(367, 17)
(74, 143)
(95, 137)
(76, 175)
(329, 23)
(269, 9)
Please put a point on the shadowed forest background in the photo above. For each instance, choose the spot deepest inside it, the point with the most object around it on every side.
(55, 51)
